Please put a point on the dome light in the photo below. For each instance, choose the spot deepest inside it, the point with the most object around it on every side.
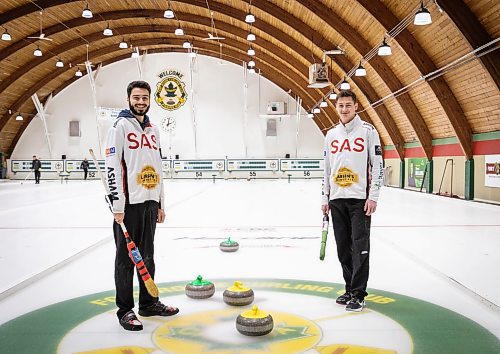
(250, 18)
(107, 31)
(86, 13)
(384, 49)
(345, 85)
(6, 36)
(360, 70)
(423, 16)
(169, 13)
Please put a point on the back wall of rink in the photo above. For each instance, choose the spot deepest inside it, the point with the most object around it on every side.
(225, 113)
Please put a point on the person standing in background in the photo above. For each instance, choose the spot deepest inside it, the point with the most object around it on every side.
(36, 165)
(352, 180)
(85, 167)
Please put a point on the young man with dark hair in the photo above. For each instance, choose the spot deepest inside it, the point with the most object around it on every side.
(134, 175)
(351, 187)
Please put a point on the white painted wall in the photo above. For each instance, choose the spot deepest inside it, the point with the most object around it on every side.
(218, 92)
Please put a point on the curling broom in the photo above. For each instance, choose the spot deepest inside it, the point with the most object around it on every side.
(324, 236)
(134, 253)
(29, 174)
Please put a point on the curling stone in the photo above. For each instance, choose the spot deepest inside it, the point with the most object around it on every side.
(200, 289)
(238, 295)
(254, 322)
(229, 245)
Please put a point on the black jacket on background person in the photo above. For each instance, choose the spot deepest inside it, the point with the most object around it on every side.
(36, 165)
(85, 167)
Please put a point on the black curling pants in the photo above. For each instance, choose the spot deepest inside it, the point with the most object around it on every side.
(352, 235)
(140, 221)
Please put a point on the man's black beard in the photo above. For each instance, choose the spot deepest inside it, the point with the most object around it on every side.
(134, 112)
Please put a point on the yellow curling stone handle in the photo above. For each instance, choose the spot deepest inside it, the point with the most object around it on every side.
(254, 313)
(238, 287)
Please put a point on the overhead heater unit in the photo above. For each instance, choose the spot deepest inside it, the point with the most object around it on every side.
(318, 75)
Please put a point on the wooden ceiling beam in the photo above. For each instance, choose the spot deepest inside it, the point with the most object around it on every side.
(474, 32)
(439, 86)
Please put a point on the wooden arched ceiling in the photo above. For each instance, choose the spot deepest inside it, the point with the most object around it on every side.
(290, 36)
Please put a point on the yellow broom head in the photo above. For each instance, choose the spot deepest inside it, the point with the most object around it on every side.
(152, 288)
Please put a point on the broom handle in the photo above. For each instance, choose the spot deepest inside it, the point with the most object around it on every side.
(324, 236)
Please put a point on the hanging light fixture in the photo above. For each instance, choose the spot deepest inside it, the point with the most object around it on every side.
(323, 104)
(179, 31)
(86, 13)
(251, 70)
(360, 70)
(123, 44)
(384, 49)
(344, 85)
(310, 115)
(19, 116)
(78, 73)
(59, 63)
(251, 63)
(250, 37)
(135, 53)
(169, 13)
(37, 52)
(316, 110)
(186, 44)
(6, 35)
(192, 54)
(251, 51)
(107, 31)
(333, 96)
(250, 18)
(423, 16)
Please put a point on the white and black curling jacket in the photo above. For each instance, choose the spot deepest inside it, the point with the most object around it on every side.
(353, 162)
(133, 161)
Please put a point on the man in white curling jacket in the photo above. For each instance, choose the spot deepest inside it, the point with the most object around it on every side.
(134, 175)
(351, 187)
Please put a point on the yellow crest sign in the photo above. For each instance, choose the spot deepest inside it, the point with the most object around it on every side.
(170, 90)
